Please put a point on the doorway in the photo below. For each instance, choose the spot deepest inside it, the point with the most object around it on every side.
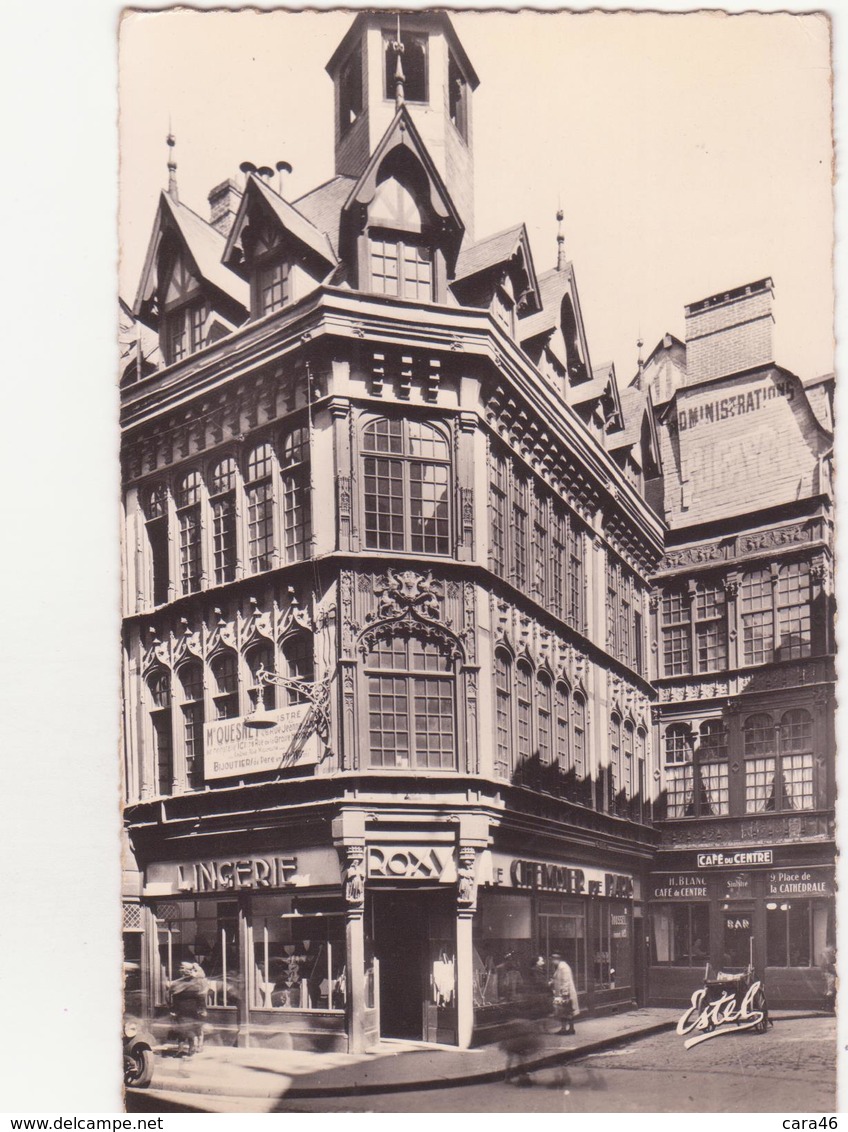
(414, 939)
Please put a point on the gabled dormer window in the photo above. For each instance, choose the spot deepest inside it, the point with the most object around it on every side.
(272, 287)
(401, 265)
(184, 314)
(413, 61)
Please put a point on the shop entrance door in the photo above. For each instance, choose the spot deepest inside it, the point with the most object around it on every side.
(414, 941)
(737, 937)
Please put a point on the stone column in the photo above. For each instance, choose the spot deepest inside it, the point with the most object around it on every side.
(354, 895)
(466, 901)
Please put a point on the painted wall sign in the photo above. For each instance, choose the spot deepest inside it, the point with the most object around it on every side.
(411, 862)
(800, 882)
(232, 750)
(549, 876)
(737, 405)
(678, 886)
(733, 860)
(248, 871)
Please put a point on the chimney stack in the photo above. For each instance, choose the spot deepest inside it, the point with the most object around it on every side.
(224, 201)
(730, 332)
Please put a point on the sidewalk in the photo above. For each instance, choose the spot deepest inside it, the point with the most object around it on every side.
(226, 1079)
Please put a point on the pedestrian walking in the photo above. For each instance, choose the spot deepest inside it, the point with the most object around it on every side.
(566, 1005)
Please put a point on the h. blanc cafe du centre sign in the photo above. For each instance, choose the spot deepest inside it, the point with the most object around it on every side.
(230, 749)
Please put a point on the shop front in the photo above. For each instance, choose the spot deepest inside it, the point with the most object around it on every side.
(530, 910)
(729, 909)
(267, 930)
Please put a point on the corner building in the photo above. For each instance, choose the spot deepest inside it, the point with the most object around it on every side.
(365, 451)
(742, 614)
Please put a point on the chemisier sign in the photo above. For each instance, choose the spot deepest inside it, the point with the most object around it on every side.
(800, 882)
(231, 750)
(545, 876)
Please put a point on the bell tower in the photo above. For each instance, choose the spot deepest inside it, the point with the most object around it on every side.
(415, 59)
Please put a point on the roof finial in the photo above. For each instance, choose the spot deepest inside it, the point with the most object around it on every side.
(560, 241)
(397, 47)
(640, 365)
(172, 166)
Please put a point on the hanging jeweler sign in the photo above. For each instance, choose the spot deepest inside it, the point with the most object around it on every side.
(232, 750)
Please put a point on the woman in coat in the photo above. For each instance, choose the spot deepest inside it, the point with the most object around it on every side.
(564, 993)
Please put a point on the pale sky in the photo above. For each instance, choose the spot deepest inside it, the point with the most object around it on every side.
(690, 153)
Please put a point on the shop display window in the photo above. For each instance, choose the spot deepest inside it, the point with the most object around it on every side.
(298, 948)
(503, 951)
(203, 932)
(680, 935)
(612, 961)
(797, 932)
(562, 931)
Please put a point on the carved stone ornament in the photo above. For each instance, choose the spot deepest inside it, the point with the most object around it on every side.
(354, 875)
(409, 601)
(466, 892)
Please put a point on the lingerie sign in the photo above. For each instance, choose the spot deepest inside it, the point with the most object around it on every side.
(723, 1015)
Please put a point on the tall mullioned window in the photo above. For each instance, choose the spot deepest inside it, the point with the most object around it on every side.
(710, 626)
(407, 483)
(159, 687)
(222, 491)
(623, 615)
(779, 768)
(191, 679)
(411, 705)
(156, 526)
(297, 514)
(757, 616)
(260, 507)
(503, 713)
(188, 517)
(224, 666)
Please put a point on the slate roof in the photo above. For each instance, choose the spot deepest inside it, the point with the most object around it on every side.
(633, 402)
(322, 207)
(552, 286)
(487, 253)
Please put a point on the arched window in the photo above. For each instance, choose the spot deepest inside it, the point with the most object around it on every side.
(191, 680)
(260, 507)
(155, 506)
(222, 491)
(188, 517)
(756, 601)
(627, 761)
(796, 757)
(614, 769)
(563, 745)
(760, 763)
(262, 656)
(224, 667)
(413, 61)
(503, 713)
(411, 693)
(793, 611)
(641, 781)
(297, 653)
(543, 716)
(713, 768)
(297, 512)
(159, 687)
(679, 771)
(580, 750)
(524, 703)
(407, 476)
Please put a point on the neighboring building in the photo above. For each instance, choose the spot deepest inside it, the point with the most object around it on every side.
(377, 463)
(744, 622)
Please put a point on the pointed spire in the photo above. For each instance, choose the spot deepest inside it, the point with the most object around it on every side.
(560, 241)
(172, 167)
(640, 365)
(397, 47)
